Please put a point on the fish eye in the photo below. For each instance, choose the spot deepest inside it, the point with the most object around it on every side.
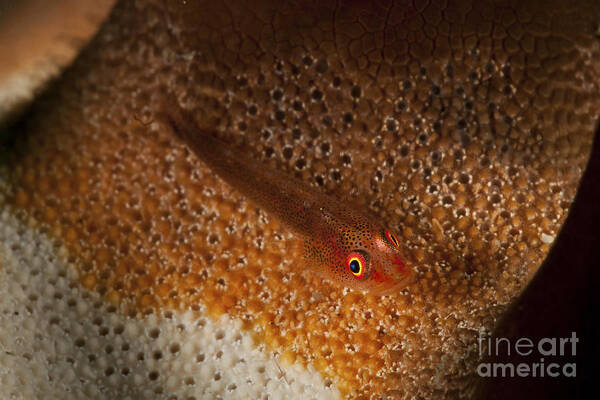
(391, 238)
(356, 264)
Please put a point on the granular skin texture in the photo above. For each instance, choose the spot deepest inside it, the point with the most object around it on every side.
(465, 126)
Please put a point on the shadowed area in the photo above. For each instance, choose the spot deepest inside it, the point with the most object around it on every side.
(559, 303)
(38, 39)
(465, 126)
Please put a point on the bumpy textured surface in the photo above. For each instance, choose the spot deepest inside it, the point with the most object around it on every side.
(463, 125)
(59, 341)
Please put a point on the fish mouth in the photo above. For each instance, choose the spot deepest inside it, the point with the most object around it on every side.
(399, 264)
(405, 278)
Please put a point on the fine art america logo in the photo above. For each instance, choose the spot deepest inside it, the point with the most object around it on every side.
(552, 348)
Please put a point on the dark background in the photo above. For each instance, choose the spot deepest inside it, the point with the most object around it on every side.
(563, 297)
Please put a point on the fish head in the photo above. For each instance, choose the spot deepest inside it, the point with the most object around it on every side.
(364, 257)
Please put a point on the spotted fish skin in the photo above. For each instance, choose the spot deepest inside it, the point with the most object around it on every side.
(341, 243)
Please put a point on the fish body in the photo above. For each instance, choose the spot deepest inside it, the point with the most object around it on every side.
(341, 243)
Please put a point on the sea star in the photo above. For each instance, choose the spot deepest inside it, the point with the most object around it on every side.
(465, 125)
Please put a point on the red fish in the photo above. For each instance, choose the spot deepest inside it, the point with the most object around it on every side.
(342, 244)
